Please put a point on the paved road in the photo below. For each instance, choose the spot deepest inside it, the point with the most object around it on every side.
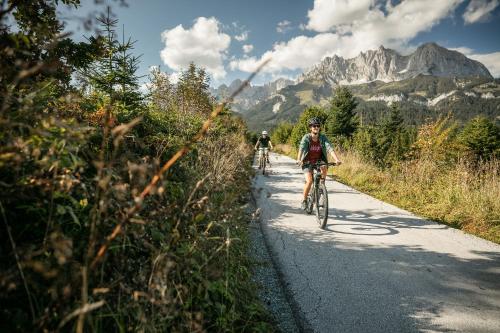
(376, 268)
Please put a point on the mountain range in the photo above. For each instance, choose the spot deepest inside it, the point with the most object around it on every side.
(431, 81)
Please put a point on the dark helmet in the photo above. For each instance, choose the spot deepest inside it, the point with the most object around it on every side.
(314, 121)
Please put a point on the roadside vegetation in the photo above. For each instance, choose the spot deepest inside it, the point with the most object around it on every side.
(103, 229)
(444, 170)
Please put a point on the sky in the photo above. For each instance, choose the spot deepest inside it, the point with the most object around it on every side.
(230, 38)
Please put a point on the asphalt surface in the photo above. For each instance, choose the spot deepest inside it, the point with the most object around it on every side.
(376, 268)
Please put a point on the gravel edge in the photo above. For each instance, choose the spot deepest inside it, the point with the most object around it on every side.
(272, 291)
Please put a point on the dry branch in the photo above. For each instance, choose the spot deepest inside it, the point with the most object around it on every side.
(181, 152)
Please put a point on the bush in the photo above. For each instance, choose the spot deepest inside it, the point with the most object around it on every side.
(84, 226)
(281, 133)
(302, 127)
(481, 138)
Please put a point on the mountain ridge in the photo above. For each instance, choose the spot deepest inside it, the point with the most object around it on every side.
(430, 81)
(388, 65)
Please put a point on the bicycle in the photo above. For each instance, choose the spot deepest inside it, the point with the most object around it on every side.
(318, 195)
(263, 153)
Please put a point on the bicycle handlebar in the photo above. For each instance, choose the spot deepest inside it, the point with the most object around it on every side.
(320, 163)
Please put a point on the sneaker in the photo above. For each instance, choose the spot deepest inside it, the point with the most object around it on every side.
(304, 204)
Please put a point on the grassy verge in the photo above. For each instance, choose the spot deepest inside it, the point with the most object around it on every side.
(459, 195)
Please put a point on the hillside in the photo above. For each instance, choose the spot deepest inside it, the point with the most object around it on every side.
(427, 83)
(420, 98)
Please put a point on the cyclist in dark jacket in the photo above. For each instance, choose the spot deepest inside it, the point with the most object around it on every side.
(314, 146)
(264, 142)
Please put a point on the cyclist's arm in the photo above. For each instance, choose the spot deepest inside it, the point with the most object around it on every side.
(257, 144)
(335, 157)
(329, 148)
(270, 145)
(302, 145)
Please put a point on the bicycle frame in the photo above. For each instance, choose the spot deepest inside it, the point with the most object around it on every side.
(318, 194)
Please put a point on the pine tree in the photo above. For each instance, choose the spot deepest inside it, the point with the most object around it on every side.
(342, 119)
(481, 137)
(393, 140)
(114, 74)
(193, 91)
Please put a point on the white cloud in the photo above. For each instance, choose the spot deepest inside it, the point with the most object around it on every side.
(479, 10)
(329, 13)
(349, 27)
(283, 26)
(247, 48)
(300, 52)
(490, 60)
(204, 44)
(242, 37)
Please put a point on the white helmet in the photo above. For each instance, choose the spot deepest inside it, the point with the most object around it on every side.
(264, 132)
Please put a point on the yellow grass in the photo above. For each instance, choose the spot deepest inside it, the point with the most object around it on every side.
(461, 196)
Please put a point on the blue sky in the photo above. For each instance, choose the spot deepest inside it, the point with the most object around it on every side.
(231, 37)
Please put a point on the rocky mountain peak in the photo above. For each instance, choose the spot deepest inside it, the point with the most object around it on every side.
(388, 65)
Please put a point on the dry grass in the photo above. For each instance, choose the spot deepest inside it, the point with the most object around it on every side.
(285, 149)
(461, 195)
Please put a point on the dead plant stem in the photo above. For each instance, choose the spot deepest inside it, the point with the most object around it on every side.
(18, 262)
(181, 152)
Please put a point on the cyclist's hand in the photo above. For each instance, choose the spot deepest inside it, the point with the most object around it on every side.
(298, 162)
(338, 162)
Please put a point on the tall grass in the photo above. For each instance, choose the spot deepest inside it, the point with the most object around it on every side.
(462, 195)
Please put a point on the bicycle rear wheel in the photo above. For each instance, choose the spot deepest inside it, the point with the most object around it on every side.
(322, 205)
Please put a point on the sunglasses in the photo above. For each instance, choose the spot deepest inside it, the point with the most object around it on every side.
(316, 126)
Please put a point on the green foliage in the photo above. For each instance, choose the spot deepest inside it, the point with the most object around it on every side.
(386, 144)
(193, 91)
(436, 141)
(71, 170)
(481, 137)
(281, 133)
(342, 120)
(113, 74)
(302, 128)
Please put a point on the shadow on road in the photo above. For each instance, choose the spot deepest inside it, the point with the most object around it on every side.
(368, 274)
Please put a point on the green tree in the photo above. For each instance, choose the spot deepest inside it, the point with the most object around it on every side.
(281, 133)
(302, 127)
(193, 91)
(342, 120)
(113, 75)
(481, 137)
(393, 139)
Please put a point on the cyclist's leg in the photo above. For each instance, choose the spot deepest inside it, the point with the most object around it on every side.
(324, 172)
(309, 180)
(260, 157)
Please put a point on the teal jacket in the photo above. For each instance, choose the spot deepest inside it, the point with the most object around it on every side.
(326, 146)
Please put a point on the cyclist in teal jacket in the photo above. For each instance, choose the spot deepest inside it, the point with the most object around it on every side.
(314, 146)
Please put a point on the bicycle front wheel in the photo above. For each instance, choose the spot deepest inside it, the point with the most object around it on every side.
(322, 205)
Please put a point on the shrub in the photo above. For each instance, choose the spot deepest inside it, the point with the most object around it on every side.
(301, 127)
(481, 138)
(281, 133)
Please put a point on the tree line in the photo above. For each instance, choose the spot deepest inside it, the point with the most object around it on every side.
(390, 139)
